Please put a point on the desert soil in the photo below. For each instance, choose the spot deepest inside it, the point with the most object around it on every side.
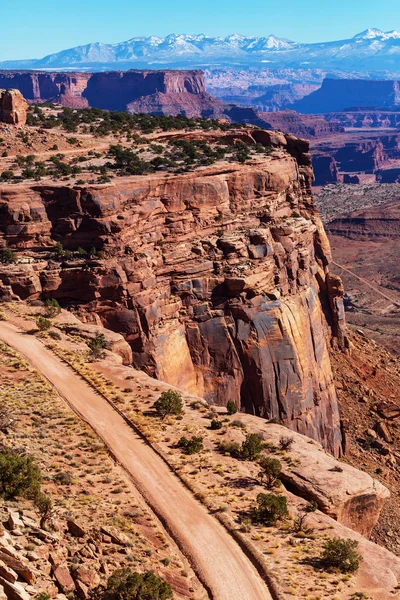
(196, 531)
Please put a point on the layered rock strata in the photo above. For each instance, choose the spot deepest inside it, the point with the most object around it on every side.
(13, 107)
(218, 279)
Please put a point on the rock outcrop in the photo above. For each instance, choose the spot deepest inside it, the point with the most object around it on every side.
(218, 278)
(13, 107)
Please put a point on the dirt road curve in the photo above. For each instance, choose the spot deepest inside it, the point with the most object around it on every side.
(216, 557)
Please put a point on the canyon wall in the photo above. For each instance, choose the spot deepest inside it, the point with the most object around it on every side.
(164, 92)
(218, 279)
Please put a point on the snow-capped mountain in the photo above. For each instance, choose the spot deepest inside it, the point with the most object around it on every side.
(371, 50)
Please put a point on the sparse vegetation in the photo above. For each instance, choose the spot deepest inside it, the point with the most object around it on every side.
(42, 323)
(169, 403)
(270, 469)
(19, 475)
(97, 345)
(251, 447)
(269, 509)
(7, 257)
(124, 584)
(231, 407)
(341, 555)
(52, 308)
(192, 446)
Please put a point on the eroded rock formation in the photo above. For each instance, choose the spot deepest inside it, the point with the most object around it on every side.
(217, 278)
(161, 92)
(13, 107)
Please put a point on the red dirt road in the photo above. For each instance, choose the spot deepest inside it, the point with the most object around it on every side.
(216, 557)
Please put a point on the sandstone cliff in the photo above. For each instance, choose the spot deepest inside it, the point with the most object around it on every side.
(13, 107)
(218, 279)
(162, 92)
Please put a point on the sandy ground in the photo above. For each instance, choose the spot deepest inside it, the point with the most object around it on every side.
(216, 557)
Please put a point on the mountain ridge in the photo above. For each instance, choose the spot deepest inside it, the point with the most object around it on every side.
(378, 50)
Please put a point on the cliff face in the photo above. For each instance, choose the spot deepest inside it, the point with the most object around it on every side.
(218, 279)
(178, 91)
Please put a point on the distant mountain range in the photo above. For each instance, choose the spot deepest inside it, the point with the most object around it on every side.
(372, 50)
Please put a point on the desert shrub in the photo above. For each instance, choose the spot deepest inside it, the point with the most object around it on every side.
(270, 469)
(42, 596)
(125, 584)
(270, 508)
(251, 447)
(7, 257)
(169, 403)
(192, 446)
(42, 323)
(19, 475)
(63, 478)
(98, 344)
(341, 555)
(55, 335)
(216, 424)
(238, 424)
(52, 308)
(232, 448)
(231, 407)
(44, 505)
(285, 443)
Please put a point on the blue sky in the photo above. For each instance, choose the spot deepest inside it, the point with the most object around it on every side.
(34, 28)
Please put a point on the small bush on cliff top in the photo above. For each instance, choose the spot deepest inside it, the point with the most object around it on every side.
(341, 555)
(169, 403)
(124, 584)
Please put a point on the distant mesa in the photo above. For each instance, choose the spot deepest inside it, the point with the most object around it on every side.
(337, 95)
(13, 107)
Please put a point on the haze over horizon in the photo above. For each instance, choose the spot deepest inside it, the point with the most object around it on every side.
(41, 31)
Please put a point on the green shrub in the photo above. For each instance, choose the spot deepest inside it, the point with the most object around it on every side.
(52, 308)
(231, 407)
(7, 257)
(42, 323)
(169, 403)
(232, 448)
(341, 555)
(124, 584)
(192, 446)
(98, 344)
(251, 447)
(270, 470)
(270, 508)
(216, 424)
(19, 475)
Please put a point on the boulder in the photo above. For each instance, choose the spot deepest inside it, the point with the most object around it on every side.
(64, 579)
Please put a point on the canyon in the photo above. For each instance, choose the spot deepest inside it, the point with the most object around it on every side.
(218, 279)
